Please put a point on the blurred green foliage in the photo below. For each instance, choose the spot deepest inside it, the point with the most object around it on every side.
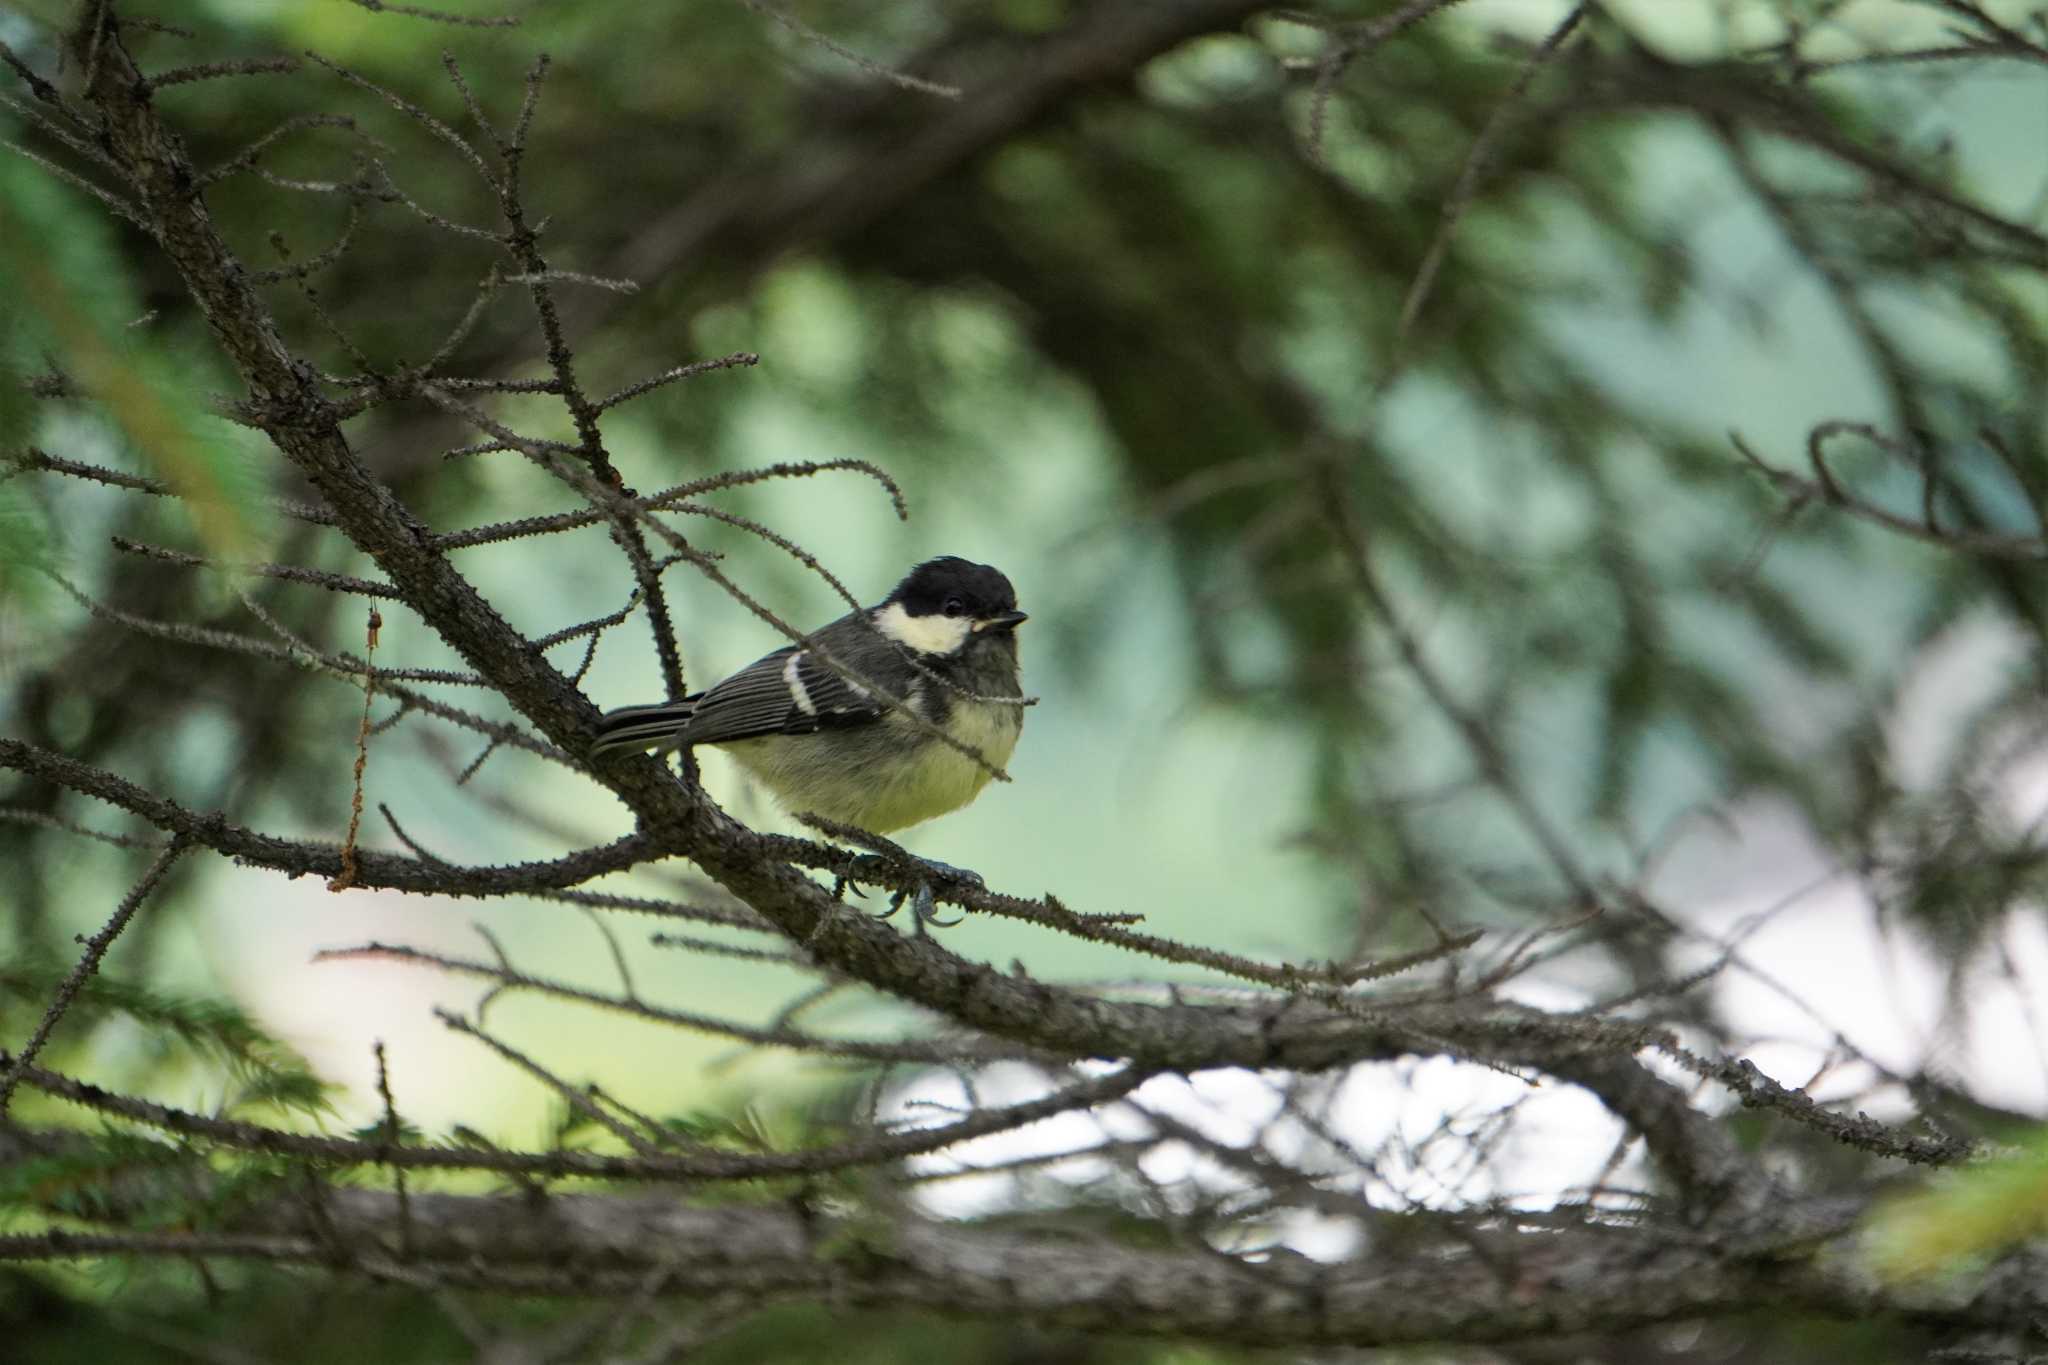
(1947, 1231)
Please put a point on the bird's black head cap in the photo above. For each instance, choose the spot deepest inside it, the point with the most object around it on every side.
(951, 586)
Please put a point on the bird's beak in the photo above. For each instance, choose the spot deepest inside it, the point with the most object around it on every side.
(1009, 620)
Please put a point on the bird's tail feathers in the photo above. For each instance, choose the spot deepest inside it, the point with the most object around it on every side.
(641, 727)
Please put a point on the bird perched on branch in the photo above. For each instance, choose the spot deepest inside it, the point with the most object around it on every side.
(881, 720)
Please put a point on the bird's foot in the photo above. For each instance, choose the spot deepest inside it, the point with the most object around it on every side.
(924, 912)
(928, 873)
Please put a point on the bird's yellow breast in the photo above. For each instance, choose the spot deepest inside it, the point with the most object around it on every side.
(888, 782)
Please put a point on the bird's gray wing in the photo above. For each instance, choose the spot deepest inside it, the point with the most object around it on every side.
(788, 692)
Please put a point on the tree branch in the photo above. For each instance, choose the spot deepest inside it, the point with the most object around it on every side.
(1546, 1281)
(299, 858)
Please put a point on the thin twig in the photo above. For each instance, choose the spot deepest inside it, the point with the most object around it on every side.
(574, 1098)
(211, 71)
(1477, 162)
(890, 74)
(290, 573)
(440, 16)
(88, 963)
(347, 878)
(710, 1164)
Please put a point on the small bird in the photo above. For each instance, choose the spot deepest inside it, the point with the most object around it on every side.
(825, 742)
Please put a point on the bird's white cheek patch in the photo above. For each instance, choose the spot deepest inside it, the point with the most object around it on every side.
(924, 634)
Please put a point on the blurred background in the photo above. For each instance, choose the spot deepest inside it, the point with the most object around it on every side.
(1097, 315)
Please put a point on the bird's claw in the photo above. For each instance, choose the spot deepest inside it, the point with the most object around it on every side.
(924, 912)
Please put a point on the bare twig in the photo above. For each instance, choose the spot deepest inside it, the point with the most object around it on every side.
(347, 878)
(88, 963)
(890, 74)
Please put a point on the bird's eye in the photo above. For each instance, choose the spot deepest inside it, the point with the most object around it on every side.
(954, 607)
